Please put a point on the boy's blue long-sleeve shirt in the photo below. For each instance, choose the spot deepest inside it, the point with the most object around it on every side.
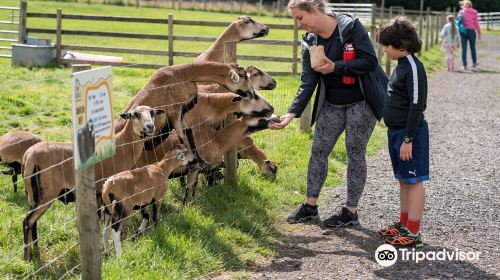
(407, 96)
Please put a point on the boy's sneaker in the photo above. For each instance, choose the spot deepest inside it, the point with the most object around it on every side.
(405, 239)
(392, 230)
(303, 213)
(343, 218)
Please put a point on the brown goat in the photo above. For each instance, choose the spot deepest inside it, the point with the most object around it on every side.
(212, 144)
(12, 148)
(243, 28)
(174, 89)
(137, 189)
(48, 169)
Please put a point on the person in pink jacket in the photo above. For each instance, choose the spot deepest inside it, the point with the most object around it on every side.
(471, 23)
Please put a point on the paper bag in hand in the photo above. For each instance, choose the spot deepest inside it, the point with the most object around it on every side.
(317, 54)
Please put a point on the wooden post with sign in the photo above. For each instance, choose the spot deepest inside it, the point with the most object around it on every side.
(86, 208)
(231, 157)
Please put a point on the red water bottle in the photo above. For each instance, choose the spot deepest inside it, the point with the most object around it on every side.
(349, 54)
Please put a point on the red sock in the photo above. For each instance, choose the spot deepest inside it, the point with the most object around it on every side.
(403, 218)
(413, 226)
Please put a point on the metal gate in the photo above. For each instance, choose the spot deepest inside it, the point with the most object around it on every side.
(9, 30)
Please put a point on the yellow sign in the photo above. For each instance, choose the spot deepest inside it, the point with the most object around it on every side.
(93, 124)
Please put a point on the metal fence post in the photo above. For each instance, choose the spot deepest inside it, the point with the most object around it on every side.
(86, 209)
(58, 36)
(231, 157)
(170, 39)
(23, 10)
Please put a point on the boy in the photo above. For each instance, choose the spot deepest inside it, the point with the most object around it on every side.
(407, 133)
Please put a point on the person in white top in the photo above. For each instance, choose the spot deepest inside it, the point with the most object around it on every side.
(451, 41)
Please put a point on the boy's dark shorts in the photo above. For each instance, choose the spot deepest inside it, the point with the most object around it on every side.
(417, 169)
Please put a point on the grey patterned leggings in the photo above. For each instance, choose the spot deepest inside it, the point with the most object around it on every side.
(358, 121)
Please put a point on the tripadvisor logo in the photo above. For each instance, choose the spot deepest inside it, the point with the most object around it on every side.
(387, 255)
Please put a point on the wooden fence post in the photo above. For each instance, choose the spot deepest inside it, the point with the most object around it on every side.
(437, 28)
(260, 7)
(428, 27)
(295, 47)
(488, 18)
(170, 39)
(231, 157)
(420, 23)
(58, 36)
(373, 28)
(86, 209)
(23, 10)
(305, 119)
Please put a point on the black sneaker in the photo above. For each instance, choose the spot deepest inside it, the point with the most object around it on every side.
(304, 213)
(344, 218)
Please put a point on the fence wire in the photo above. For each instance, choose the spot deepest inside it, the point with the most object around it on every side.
(280, 98)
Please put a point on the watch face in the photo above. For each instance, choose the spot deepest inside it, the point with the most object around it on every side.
(407, 140)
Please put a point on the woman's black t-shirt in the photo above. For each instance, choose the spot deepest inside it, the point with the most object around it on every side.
(337, 92)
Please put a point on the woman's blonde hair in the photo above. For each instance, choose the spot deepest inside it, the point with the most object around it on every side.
(465, 4)
(306, 5)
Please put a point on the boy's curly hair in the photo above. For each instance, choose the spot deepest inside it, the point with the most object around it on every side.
(401, 34)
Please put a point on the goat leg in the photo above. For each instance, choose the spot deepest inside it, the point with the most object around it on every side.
(145, 219)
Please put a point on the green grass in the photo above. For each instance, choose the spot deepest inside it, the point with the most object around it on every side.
(148, 28)
(225, 228)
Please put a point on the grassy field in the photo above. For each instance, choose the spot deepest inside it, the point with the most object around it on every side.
(149, 28)
(225, 228)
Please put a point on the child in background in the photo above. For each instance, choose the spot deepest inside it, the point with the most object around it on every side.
(408, 133)
(451, 41)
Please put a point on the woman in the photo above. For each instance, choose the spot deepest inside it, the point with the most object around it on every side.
(471, 23)
(354, 108)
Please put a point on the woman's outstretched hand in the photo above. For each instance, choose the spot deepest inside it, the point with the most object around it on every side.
(327, 67)
(284, 121)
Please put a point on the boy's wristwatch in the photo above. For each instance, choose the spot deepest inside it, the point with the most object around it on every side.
(408, 140)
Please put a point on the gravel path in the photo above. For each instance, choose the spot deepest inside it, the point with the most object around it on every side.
(463, 198)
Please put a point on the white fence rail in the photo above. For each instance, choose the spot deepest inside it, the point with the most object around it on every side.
(489, 20)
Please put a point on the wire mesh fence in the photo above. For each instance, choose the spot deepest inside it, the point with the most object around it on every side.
(57, 254)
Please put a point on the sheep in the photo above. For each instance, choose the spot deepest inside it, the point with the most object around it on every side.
(48, 169)
(212, 110)
(260, 81)
(247, 149)
(86, 141)
(212, 144)
(12, 148)
(174, 88)
(138, 188)
(244, 28)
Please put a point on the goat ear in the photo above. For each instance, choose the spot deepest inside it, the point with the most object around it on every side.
(234, 76)
(126, 115)
(159, 111)
(236, 98)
